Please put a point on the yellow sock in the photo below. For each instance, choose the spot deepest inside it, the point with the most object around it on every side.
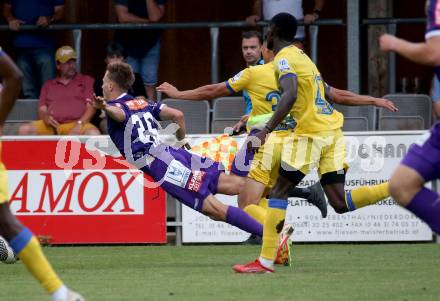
(366, 195)
(257, 212)
(30, 253)
(275, 214)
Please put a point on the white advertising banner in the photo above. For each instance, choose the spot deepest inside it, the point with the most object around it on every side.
(372, 158)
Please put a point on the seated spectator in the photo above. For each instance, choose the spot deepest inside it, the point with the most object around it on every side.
(116, 53)
(435, 95)
(63, 106)
(34, 49)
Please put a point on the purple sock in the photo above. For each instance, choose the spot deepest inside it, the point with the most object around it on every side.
(426, 205)
(237, 217)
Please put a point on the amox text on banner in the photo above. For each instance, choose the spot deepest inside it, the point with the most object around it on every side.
(76, 192)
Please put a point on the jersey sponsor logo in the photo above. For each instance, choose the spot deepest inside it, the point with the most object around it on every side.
(236, 77)
(177, 174)
(283, 65)
(196, 181)
(136, 104)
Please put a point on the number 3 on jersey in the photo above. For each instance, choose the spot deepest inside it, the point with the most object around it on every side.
(145, 127)
(321, 104)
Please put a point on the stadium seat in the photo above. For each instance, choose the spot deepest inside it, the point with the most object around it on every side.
(196, 114)
(24, 110)
(219, 125)
(414, 113)
(232, 107)
(227, 111)
(399, 123)
(354, 124)
(361, 118)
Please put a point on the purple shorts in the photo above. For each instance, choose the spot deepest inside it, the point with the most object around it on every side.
(425, 158)
(242, 161)
(186, 176)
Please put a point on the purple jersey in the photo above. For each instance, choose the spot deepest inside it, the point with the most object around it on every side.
(138, 133)
(187, 177)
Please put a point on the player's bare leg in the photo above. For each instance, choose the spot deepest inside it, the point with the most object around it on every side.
(230, 184)
(342, 201)
(405, 183)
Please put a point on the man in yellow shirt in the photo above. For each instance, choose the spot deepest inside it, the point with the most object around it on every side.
(316, 141)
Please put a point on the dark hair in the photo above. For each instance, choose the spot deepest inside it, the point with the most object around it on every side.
(252, 34)
(115, 49)
(285, 26)
(121, 74)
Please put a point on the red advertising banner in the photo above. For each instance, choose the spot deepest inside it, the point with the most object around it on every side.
(81, 192)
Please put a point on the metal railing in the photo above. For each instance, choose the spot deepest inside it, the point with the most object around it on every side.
(214, 28)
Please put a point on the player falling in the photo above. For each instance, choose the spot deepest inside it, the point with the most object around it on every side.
(133, 127)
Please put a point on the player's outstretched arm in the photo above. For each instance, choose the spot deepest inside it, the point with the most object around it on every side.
(427, 53)
(207, 92)
(112, 112)
(12, 78)
(348, 98)
(177, 117)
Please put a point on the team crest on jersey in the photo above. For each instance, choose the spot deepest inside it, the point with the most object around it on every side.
(283, 65)
(195, 183)
(177, 174)
(136, 104)
(237, 76)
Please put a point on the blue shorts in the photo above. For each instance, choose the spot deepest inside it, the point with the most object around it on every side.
(186, 176)
(425, 157)
(147, 65)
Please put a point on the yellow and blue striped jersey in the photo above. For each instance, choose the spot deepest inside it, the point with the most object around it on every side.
(311, 111)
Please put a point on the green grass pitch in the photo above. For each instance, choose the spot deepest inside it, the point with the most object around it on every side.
(320, 272)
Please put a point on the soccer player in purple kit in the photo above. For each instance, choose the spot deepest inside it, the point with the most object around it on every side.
(133, 127)
(422, 163)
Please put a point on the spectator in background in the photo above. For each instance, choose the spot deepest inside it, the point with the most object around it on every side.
(115, 54)
(63, 107)
(34, 49)
(435, 95)
(251, 48)
(142, 46)
(266, 9)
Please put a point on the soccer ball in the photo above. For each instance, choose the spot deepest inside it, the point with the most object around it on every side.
(6, 253)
